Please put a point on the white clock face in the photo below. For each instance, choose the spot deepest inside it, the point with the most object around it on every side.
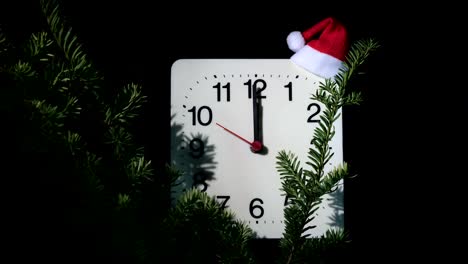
(213, 125)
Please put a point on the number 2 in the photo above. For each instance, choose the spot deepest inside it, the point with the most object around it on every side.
(317, 111)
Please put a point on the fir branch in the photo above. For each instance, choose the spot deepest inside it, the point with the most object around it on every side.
(72, 50)
(316, 250)
(38, 45)
(291, 174)
(333, 177)
(22, 70)
(357, 56)
(123, 201)
(85, 161)
(138, 169)
(174, 174)
(58, 75)
(121, 141)
(319, 154)
(78, 74)
(89, 163)
(64, 104)
(72, 108)
(118, 116)
(307, 187)
(52, 118)
(74, 142)
(218, 236)
(126, 106)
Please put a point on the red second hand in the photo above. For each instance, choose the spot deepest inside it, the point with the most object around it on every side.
(255, 146)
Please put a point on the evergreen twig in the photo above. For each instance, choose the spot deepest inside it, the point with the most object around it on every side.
(62, 90)
(86, 137)
(209, 233)
(305, 188)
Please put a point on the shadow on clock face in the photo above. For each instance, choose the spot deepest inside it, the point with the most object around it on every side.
(194, 156)
(336, 203)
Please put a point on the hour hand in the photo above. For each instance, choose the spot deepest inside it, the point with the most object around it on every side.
(256, 102)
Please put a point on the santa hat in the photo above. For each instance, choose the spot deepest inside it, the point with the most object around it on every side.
(326, 49)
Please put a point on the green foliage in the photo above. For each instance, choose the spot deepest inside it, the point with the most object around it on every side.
(100, 175)
(68, 43)
(201, 231)
(126, 105)
(116, 201)
(306, 187)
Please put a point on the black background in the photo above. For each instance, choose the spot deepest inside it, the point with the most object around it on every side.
(390, 140)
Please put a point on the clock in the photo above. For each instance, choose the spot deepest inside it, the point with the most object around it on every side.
(229, 120)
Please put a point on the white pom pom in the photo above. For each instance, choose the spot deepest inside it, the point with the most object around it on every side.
(295, 41)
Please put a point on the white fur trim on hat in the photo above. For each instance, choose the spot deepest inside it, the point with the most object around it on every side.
(317, 62)
(295, 41)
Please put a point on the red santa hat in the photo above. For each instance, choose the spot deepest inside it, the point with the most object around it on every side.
(326, 48)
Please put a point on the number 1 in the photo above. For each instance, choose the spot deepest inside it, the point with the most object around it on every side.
(289, 86)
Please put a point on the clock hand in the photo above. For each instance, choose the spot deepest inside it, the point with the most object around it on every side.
(255, 146)
(256, 123)
(257, 114)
